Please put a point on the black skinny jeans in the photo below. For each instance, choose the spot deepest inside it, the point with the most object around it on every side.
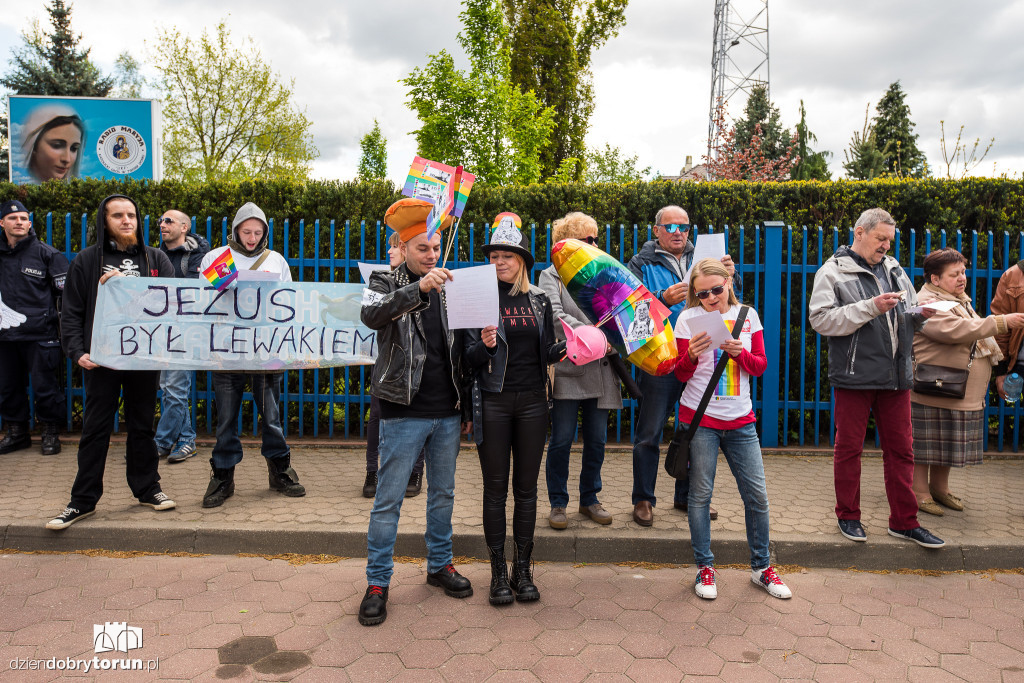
(515, 430)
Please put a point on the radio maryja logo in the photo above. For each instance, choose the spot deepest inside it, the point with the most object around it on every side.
(121, 149)
(116, 636)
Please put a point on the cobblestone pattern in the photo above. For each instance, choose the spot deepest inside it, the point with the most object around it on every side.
(800, 489)
(593, 623)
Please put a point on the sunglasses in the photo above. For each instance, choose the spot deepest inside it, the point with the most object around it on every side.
(673, 227)
(589, 239)
(166, 219)
(705, 293)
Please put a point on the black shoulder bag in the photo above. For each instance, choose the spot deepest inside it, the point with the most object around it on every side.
(677, 461)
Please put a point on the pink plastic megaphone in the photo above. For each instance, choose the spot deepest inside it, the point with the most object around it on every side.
(584, 344)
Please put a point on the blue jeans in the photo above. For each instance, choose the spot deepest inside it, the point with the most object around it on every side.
(661, 396)
(401, 440)
(743, 453)
(228, 388)
(175, 424)
(563, 431)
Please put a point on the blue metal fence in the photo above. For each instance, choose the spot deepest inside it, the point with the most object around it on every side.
(777, 264)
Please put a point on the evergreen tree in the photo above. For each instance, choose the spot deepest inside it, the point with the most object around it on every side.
(551, 46)
(811, 165)
(54, 64)
(895, 130)
(373, 164)
(864, 159)
(775, 140)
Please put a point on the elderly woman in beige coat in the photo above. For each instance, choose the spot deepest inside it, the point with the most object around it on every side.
(591, 389)
(950, 432)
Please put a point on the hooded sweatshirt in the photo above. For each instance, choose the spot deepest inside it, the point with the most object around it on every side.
(83, 281)
(186, 258)
(244, 258)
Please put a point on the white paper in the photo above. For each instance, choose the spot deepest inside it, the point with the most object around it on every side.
(258, 276)
(366, 268)
(472, 297)
(935, 306)
(709, 245)
(713, 323)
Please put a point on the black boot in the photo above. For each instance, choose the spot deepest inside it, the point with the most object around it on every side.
(222, 486)
(283, 478)
(373, 609)
(520, 576)
(370, 485)
(501, 594)
(51, 442)
(17, 438)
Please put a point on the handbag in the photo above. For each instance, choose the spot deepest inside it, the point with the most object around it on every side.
(939, 380)
(677, 460)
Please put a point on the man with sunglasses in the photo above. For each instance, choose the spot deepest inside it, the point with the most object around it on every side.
(662, 264)
(175, 435)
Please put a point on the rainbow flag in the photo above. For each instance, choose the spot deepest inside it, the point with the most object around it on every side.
(222, 272)
(427, 180)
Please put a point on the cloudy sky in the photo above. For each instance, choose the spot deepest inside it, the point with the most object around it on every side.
(959, 62)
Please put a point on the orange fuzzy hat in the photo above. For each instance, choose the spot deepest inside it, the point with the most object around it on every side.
(408, 217)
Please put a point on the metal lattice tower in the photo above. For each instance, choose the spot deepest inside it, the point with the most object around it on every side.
(739, 54)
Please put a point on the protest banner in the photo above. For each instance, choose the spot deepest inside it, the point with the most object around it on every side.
(178, 324)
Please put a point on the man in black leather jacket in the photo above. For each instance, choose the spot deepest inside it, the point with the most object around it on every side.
(418, 379)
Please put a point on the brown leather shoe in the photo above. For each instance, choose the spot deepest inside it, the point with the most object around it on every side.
(643, 513)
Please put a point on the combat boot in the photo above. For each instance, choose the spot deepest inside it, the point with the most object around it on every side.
(222, 486)
(17, 438)
(283, 478)
(50, 440)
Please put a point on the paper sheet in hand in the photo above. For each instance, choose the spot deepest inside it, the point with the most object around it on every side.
(710, 245)
(472, 298)
(935, 306)
(366, 268)
(713, 324)
(258, 276)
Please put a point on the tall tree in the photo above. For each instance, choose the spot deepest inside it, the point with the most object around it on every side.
(552, 43)
(373, 163)
(479, 119)
(811, 165)
(864, 159)
(50, 64)
(759, 110)
(611, 165)
(227, 115)
(895, 130)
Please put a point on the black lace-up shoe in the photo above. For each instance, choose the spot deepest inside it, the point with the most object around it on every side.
(455, 584)
(373, 609)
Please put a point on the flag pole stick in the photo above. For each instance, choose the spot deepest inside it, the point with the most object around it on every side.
(451, 241)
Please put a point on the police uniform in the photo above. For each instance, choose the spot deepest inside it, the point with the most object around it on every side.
(31, 283)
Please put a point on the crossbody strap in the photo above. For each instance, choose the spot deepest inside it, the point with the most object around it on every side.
(259, 262)
(719, 369)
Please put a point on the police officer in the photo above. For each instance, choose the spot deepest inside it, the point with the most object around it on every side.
(31, 283)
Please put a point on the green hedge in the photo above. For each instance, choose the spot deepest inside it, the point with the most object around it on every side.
(975, 203)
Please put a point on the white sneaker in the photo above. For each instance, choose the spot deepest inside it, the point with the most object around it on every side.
(768, 579)
(705, 585)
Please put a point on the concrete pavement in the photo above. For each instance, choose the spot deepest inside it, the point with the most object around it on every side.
(250, 618)
(332, 518)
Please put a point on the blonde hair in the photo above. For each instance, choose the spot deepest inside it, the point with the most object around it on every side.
(522, 283)
(393, 239)
(709, 266)
(575, 225)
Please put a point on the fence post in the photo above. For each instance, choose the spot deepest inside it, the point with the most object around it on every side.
(771, 318)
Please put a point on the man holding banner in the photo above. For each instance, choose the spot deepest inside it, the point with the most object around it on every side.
(119, 251)
(248, 248)
(418, 380)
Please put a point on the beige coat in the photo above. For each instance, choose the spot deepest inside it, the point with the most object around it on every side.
(946, 339)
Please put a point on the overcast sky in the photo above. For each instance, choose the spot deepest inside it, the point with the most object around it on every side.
(959, 62)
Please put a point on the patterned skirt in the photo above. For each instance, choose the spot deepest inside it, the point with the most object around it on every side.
(948, 438)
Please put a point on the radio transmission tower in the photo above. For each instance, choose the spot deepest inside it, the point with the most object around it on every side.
(739, 54)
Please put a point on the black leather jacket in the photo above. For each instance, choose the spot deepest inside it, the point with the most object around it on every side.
(401, 341)
(488, 365)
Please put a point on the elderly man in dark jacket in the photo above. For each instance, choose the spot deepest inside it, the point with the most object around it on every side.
(418, 379)
(31, 282)
(119, 251)
(860, 301)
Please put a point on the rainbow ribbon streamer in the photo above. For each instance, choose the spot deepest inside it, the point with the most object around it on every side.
(222, 272)
(428, 180)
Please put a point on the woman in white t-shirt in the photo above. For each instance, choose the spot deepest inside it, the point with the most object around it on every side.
(728, 423)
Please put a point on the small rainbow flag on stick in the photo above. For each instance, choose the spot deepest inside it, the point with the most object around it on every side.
(222, 272)
(427, 180)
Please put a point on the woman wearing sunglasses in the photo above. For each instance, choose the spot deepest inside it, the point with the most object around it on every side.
(728, 423)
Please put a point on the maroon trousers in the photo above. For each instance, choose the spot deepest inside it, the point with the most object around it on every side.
(892, 416)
